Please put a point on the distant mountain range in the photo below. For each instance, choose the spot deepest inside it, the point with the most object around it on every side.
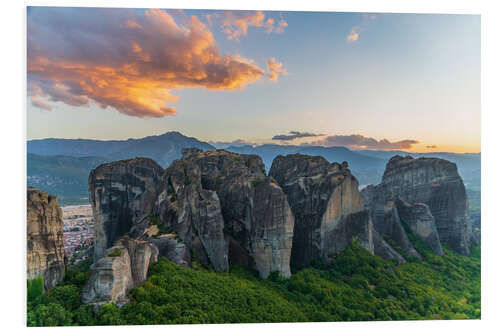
(164, 149)
(62, 166)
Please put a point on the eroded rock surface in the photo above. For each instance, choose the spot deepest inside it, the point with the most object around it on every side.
(121, 268)
(122, 195)
(419, 219)
(257, 218)
(193, 213)
(436, 183)
(322, 197)
(45, 246)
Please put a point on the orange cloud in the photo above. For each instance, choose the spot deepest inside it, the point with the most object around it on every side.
(235, 23)
(275, 68)
(131, 62)
(353, 35)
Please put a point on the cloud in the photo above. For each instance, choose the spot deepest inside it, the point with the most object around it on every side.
(236, 23)
(357, 141)
(353, 35)
(125, 59)
(40, 104)
(366, 19)
(431, 147)
(275, 68)
(227, 144)
(295, 135)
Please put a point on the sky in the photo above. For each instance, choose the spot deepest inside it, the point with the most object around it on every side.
(361, 80)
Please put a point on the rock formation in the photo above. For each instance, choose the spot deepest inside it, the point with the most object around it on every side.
(419, 219)
(419, 184)
(326, 204)
(121, 268)
(122, 195)
(257, 217)
(386, 219)
(45, 251)
(193, 214)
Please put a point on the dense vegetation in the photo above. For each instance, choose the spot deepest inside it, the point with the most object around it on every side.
(355, 285)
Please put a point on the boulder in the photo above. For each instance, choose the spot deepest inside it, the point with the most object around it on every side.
(122, 268)
(122, 195)
(45, 245)
(321, 195)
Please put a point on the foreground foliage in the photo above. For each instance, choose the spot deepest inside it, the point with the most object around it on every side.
(353, 286)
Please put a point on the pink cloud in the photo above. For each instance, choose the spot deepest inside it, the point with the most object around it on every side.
(131, 62)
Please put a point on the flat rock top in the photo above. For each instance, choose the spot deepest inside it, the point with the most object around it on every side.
(36, 195)
(224, 162)
(133, 162)
(400, 164)
(295, 166)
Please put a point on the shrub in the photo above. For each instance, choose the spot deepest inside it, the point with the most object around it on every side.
(115, 253)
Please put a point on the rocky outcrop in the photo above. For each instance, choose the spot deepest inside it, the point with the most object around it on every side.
(257, 218)
(45, 247)
(386, 219)
(326, 204)
(419, 219)
(436, 183)
(193, 214)
(382, 249)
(122, 195)
(121, 268)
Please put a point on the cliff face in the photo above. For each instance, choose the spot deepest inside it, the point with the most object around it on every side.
(122, 195)
(121, 268)
(428, 195)
(193, 213)
(419, 219)
(257, 218)
(436, 183)
(45, 252)
(322, 197)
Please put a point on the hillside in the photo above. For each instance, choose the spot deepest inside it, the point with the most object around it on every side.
(65, 176)
(163, 148)
(355, 286)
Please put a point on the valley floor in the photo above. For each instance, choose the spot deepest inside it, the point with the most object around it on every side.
(354, 286)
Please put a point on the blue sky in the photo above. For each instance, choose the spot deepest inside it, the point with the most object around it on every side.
(407, 77)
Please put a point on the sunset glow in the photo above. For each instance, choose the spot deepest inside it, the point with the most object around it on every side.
(364, 81)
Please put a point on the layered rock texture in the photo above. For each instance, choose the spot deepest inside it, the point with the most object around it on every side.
(122, 195)
(428, 196)
(214, 208)
(121, 268)
(45, 251)
(327, 206)
(217, 208)
(193, 214)
(257, 218)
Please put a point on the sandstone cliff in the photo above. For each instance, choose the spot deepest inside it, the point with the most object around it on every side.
(193, 214)
(436, 183)
(122, 195)
(326, 204)
(121, 268)
(430, 198)
(45, 252)
(257, 217)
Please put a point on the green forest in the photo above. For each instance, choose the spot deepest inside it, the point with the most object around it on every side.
(353, 286)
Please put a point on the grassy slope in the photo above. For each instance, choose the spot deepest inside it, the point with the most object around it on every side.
(437, 288)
